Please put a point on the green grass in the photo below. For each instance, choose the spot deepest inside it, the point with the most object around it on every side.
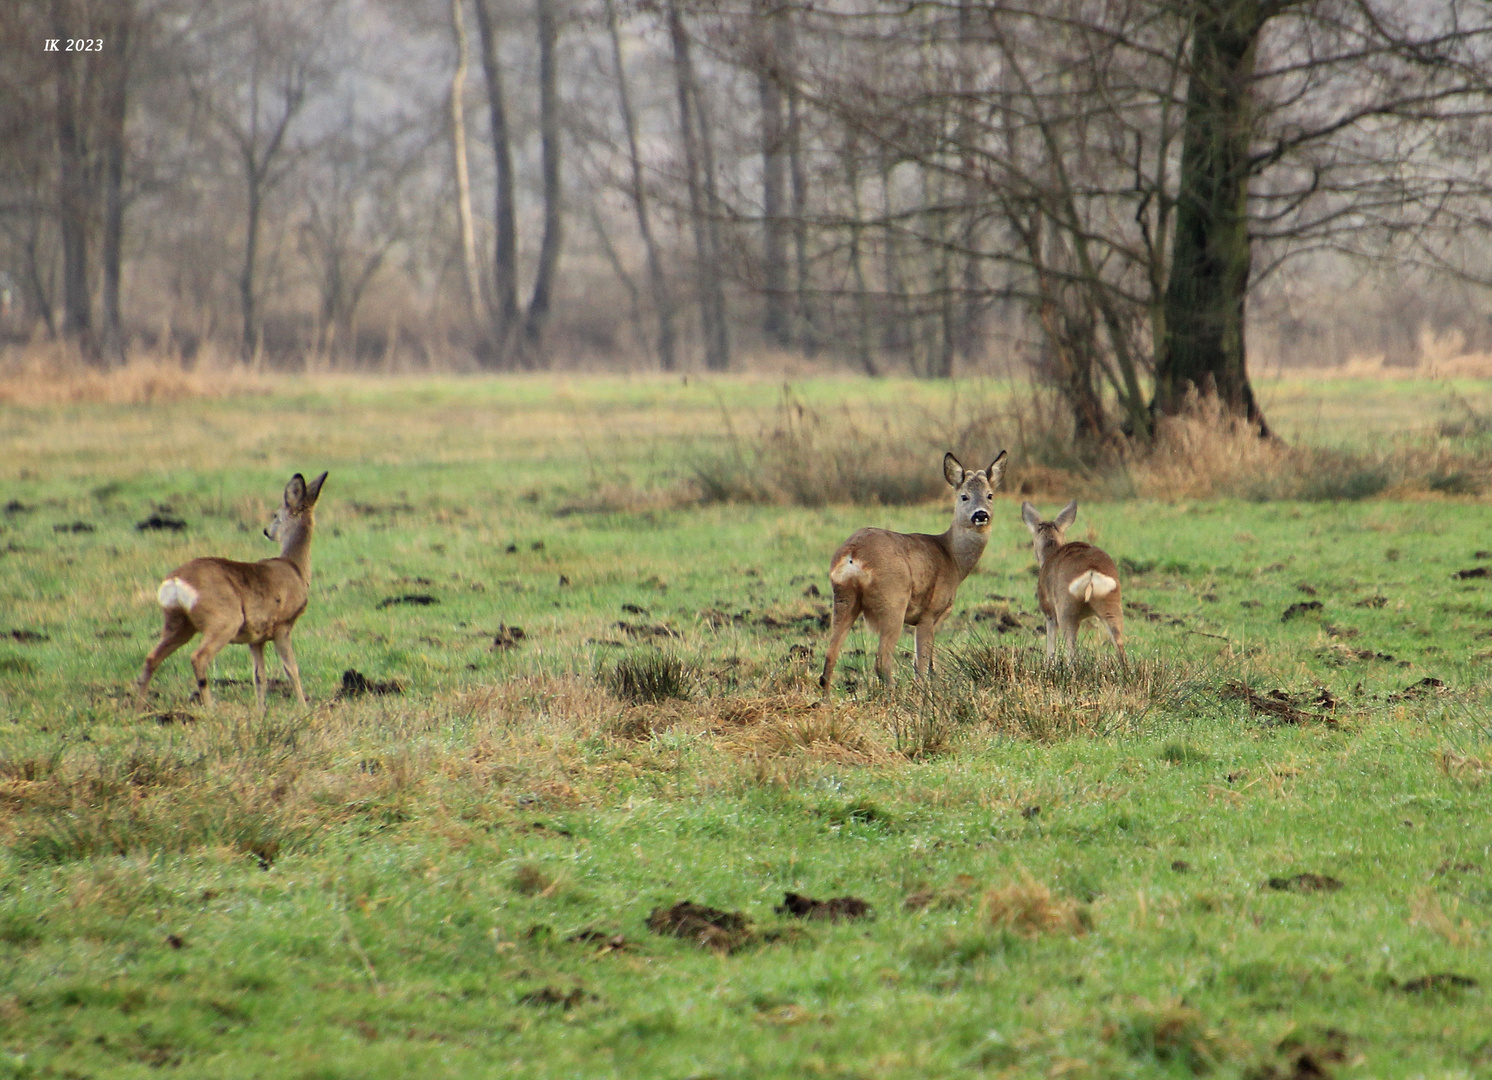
(393, 885)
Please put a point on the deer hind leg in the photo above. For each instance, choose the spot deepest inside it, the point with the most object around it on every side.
(287, 661)
(257, 650)
(1113, 622)
(1051, 639)
(176, 633)
(213, 640)
(846, 611)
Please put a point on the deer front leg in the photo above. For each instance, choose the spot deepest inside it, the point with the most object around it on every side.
(287, 661)
(257, 649)
(923, 644)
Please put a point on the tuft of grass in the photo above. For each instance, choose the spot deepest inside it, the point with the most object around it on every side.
(1029, 908)
(1016, 692)
(651, 676)
(1181, 752)
(1172, 1034)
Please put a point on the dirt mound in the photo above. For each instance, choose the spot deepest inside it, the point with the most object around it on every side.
(833, 910)
(709, 928)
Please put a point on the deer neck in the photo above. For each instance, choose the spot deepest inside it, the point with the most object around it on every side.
(1046, 547)
(295, 548)
(964, 546)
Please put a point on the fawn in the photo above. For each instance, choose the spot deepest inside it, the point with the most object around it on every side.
(1074, 582)
(242, 602)
(910, 579)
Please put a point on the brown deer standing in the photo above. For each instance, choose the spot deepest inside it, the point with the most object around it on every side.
(241, 602)
(1074, 582)
(910, 579)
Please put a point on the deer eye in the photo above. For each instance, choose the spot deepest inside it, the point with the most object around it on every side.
(964, 498)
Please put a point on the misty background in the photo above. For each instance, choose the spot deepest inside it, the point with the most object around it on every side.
(930, 188)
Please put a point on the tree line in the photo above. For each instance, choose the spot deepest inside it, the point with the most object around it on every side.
(1098, 189)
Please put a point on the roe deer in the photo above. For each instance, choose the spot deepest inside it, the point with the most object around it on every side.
(241, 602)
(909, 579)
(1074, 582)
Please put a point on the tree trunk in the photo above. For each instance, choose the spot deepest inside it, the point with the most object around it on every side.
(857, 260)
(470, 269)
(73, 200)
(118, 42)
(246, 282)
(662, 302)
(807, 334)
(1203, 346)
(699, 167)
(505, 261)
(776, 325)
(549, 141)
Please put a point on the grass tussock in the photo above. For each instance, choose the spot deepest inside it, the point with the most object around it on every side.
(652, 675)
(1017, 693)
(57, 375)
(1204, 453)
(1030, 909)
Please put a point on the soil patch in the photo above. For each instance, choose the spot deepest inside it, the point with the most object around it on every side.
(548, 996)
(159, 522)
(833, 910)
(707, 927)
(356, 684)
(1304, 883)
(1302, 608)
(1441, 980)
(73, 527)
(1474, 572)
(25, 637)
(413, 599)
(1282, 707)
(508, 637)
(1423, 688)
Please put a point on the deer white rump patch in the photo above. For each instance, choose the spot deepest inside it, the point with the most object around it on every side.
(175, 593)
(1091, 583)
(849, 570)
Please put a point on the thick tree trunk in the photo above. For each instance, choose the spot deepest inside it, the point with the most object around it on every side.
(541, 299)
(658, 283)
(73, 186)
(505, 259)
(117, 42)
(1203, 346)
(470, 268)
(776, 325)
(699, 166)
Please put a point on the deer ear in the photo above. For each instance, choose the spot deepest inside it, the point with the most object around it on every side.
(295, 491)
(1068, 515)
(996, 470)
(313, 492)
(953, 472)
(1030, 516)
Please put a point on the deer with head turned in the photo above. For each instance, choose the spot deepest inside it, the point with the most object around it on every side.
(910, 579)
(245, 603)
(1074, 582)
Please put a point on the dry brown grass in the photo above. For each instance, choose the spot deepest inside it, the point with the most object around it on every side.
(1425, 909)
(54, 374)
(1029, 908)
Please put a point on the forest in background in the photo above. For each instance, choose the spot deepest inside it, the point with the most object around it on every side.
(1128, 198)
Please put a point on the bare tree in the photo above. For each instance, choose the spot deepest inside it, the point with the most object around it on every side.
(470, 270)
(658, 282)
(505, 256)
(541, 298)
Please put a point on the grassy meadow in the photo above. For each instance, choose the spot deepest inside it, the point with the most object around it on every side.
(598, 607)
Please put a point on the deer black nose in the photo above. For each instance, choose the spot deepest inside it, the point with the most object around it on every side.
(980, 517)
